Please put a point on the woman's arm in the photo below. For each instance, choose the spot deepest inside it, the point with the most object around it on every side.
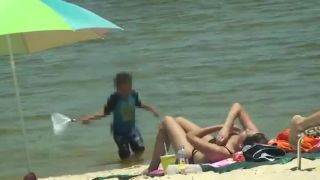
(201, 132)
(205, 131)
(236, 111)
(211, 151)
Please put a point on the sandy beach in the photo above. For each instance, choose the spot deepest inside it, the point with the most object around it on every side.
(310, 170)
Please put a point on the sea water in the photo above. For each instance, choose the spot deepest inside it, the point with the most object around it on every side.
(188, 58)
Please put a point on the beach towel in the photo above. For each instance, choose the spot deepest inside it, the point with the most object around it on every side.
(248, 165)
(223, 163)
(237, 165)
(120, 177)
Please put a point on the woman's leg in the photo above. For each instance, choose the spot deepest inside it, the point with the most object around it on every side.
(188, 126)
(299, 124)
(169, 131)
(158, 149)
(177, 135)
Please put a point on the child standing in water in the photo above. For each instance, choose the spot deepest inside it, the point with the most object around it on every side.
(122, 105)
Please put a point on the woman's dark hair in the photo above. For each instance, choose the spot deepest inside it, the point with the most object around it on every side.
(122, 78)
(257, 138)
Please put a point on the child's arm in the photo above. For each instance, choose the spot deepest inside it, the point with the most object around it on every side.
(95, 116)
(144, 106)
(149, 108)
(106, 110)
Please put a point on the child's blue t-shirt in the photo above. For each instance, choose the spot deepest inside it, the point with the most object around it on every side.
(123, 109)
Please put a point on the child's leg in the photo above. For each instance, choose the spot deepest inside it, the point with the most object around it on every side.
(123, 146)
(136, 142)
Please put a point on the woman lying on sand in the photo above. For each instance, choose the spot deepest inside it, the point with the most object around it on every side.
(200, 146)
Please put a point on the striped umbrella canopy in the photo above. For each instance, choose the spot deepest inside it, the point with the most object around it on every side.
(35, 25)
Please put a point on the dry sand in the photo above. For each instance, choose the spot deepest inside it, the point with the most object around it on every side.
(310, 170)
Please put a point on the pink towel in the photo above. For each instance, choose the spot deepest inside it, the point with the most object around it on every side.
(236, 157)
(223, 163)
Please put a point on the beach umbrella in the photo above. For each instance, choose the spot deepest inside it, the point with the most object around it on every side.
(28, 26)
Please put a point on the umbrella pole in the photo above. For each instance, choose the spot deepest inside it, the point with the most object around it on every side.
(19, 106)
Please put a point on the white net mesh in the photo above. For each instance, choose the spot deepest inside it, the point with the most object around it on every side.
(60, 122)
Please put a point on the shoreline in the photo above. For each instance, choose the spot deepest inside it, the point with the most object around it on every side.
(310, 170)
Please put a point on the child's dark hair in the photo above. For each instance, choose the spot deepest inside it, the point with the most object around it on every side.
(122, 78)
(257, 138)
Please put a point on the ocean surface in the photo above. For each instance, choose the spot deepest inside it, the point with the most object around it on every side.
(188, 58)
